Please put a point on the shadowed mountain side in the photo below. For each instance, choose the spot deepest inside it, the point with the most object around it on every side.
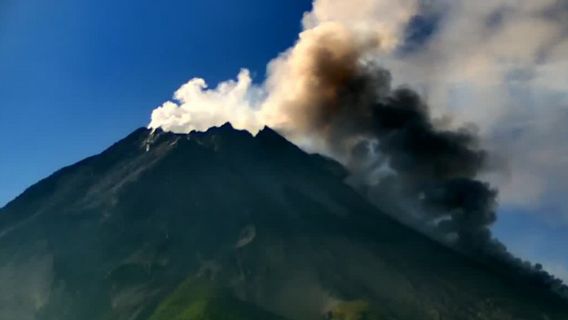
(274, 231)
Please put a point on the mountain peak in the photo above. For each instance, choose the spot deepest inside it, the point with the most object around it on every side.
(269, 134)
(227, 127)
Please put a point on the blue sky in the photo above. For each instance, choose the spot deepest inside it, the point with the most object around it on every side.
(76, 76)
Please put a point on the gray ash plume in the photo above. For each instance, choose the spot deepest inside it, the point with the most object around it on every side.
(380, 129)
(403, 159)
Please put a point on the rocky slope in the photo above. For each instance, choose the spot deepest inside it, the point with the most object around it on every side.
(224, 225)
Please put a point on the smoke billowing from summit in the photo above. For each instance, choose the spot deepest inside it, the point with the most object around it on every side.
(336, 40)
(331, 93)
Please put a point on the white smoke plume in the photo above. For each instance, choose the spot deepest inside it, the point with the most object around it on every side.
(502, 65)
(337, 36)
(198, 108)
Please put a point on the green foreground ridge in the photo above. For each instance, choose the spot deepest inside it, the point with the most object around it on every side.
(198, 299)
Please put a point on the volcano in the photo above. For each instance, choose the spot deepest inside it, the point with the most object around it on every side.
(226, 225)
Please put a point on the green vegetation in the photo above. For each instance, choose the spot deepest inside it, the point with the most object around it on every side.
(198, 299)
(353, 310)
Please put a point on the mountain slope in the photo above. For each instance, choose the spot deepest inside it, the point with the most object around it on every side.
(274, 229)
(201, 300)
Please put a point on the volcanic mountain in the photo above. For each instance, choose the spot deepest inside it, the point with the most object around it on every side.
(224, 225)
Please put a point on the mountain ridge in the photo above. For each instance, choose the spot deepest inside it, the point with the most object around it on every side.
(158, 206)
